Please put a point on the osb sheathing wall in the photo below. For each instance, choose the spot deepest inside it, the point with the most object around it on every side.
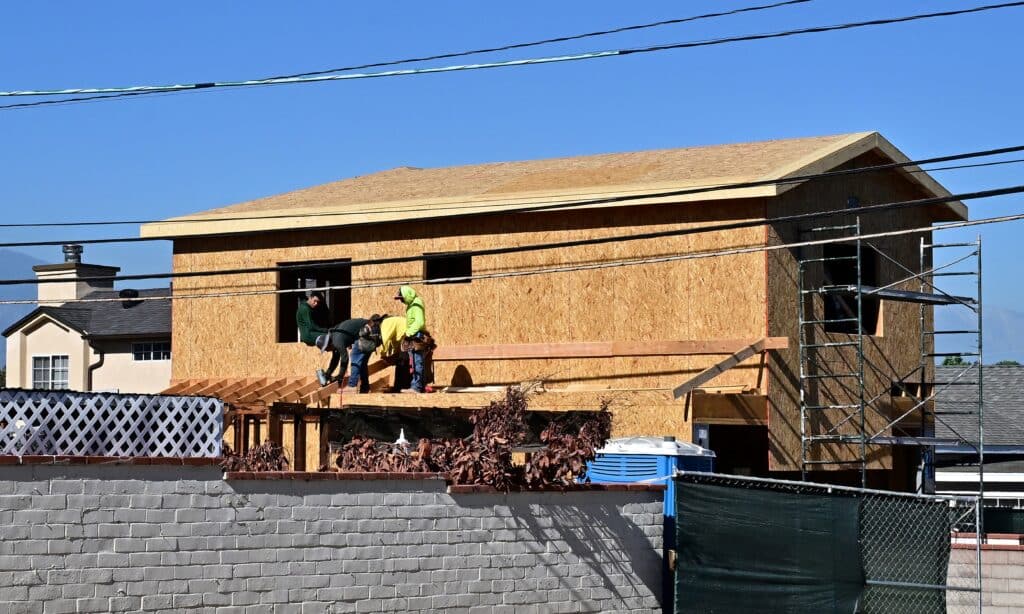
(716, 298)
(890, 355)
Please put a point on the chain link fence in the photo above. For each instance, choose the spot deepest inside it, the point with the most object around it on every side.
(917, 553)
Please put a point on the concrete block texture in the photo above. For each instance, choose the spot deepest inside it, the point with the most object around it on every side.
(109, 538)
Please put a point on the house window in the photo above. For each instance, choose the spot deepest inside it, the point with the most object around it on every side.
(322, 274)
(446, 265)
(160, 350)
(50, 372)
(841, 270)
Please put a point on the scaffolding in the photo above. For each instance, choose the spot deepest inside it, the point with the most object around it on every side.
(840, 406)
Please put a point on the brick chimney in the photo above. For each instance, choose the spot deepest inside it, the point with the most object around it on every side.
(64, 281)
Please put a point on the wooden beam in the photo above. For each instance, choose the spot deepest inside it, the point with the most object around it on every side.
(233, 386)
(301, 392)
(602, 349)
(283, 386)
(718, 368)
(322, 393)
(377, 367)
(212, 388)
(256, 395)
(177, 386)
(244, 391)
(730, 409)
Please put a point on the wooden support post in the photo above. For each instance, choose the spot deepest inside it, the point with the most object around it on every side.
(717, 369)
(325, 447)
(299, 456)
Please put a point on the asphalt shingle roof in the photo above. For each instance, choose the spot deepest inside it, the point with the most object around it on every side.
(111, 319)
(1003, 389)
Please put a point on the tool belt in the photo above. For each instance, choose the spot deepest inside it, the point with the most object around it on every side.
(422, 343)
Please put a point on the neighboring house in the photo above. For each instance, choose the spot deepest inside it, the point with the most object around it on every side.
(121, 345)
(1003, 389)
(670, 321)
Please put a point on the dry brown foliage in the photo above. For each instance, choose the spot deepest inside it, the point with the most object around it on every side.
(267, 456)
(485, 457)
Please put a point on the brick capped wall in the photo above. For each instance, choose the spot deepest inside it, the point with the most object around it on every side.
(116, 538)
(1002, 575)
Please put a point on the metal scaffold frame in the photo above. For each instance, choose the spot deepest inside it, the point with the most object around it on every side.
(843, 421)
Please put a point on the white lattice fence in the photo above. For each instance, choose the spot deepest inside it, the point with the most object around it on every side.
(105, 424)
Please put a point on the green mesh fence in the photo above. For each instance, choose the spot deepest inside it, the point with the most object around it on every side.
(756, 545)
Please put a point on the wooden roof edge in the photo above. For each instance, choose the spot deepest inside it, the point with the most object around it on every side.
(269, 220)
(836, 154)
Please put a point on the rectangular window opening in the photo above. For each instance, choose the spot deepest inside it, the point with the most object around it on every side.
(50, 372)
(318, 274)
(840, 269)
(442, 267)
(159, 350)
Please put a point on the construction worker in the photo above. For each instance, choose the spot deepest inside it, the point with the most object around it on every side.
(415, 323)
(364, 346)
(307, 318)
(338, 339)
(392, 334)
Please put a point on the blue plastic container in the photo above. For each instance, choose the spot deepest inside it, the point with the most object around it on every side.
(653, 460)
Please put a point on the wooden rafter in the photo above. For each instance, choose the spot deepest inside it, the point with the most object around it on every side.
(178, 386)
(322, 393)
(717, 369)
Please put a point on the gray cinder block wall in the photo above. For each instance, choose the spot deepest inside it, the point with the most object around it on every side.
(96, 538)
(1002, 574)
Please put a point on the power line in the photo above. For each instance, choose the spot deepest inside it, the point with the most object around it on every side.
(568, 268)
(142, 89)
(547, 41)
(455, 54)
(497, 251)
(487, 206)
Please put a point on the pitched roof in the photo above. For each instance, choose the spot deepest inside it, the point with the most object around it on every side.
(1003, 389)
(110, 319)
(407, 193)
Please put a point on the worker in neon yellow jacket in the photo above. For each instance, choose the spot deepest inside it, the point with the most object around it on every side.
(392, 334)
(415, 323)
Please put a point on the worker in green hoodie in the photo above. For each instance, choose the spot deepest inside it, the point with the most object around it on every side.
(415, 321)
(307, 318)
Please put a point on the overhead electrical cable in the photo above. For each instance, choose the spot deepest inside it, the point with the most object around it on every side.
(456, 54)
(497, 251)
(547, 41)
(487, 206)
(501, 64)
(568, 268)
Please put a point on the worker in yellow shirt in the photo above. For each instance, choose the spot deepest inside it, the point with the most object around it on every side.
(392, 332)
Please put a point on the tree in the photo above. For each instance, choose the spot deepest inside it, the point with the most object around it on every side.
(954, 361)
(1009, 362)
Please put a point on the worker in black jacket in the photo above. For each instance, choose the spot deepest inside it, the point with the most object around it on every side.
(338, 339)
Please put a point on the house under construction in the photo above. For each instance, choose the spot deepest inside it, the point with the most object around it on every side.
(795, 359)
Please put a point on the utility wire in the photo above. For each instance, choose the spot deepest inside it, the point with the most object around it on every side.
(497, 251)
(547, 41)
(566, 268)
(487, 206)
(501, 64)
(455, 54)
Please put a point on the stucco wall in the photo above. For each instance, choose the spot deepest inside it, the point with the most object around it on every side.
(103, 538)
(46, 338)
(122, 373)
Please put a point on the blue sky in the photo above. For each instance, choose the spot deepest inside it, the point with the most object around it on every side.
(932, 87)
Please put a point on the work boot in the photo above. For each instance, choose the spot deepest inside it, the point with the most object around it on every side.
(321, 377)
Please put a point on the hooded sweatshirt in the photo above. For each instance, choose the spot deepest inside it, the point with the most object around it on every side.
(415, 312)
(392, 331)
